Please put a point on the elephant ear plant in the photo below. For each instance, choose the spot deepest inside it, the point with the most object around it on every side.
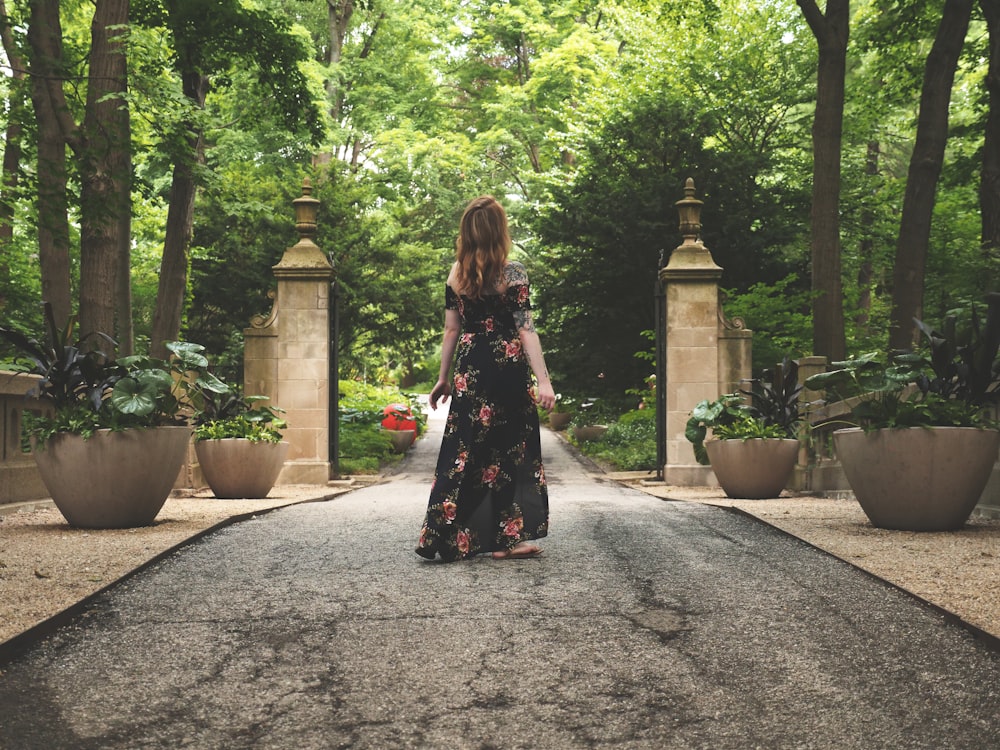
(90, 390)
(772, 412)
(953, 382)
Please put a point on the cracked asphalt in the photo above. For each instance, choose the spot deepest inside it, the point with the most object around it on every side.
(646, 624)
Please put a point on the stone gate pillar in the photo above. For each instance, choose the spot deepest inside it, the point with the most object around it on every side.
(287, 354)
(705, 355)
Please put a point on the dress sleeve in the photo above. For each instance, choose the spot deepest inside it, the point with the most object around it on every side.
(518, 289)
(450, 298)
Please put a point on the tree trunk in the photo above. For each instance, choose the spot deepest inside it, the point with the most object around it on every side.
(924, 170)
(866, 249)
(180, 223)
(339, 14)
(12, 151)
(125, 325)
(8, 184)
(989, 186)
(105, 169)
(51, 115)
(831, 31)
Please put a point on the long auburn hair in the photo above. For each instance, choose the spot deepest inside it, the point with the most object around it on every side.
(482, 247)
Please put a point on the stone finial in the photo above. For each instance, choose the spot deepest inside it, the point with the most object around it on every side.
(304, 258)
(689, 209)
(691, 259)
(306, 209)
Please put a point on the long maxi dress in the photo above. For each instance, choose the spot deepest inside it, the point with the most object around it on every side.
(489, 489)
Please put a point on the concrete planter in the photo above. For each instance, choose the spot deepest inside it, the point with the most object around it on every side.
(559, 420)
(917, 479)
(402, 439)
(238, 468)
(753, 469)
(590, 432)
(112, 480)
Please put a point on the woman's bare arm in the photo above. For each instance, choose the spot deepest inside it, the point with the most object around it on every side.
(530, 343)
(452, 327)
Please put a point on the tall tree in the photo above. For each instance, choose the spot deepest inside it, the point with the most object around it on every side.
(989, 185)
(208, 45)
(527, 64)
(102, 150)
(48, 72)
(924, 170)
(11, 168)
(831, 31)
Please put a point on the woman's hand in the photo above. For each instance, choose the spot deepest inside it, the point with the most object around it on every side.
(442, 391)
(545, 397)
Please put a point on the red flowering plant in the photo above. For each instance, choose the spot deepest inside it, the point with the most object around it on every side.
(406, 415)
(399, 417)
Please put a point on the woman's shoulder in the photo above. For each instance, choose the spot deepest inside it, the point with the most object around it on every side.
(515, 273)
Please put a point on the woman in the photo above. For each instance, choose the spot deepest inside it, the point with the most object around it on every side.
(489, 492)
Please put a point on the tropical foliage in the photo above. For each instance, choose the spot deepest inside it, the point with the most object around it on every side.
(953, 380)
(83, 389)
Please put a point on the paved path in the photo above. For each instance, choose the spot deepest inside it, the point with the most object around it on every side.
(647, 624)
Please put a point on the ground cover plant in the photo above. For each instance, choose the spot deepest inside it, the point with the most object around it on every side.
(628, 445)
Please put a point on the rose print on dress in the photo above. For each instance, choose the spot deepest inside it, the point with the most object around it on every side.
(540, 475)
(512, 527)
(490, 474)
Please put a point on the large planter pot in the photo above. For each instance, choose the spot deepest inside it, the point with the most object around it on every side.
(236, 467)
(559, 420)
(402, 439)
(112, 480)
(590, 432)
(917, 479)
(755, 468)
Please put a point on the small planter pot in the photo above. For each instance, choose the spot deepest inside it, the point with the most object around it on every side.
(112, 480)
(917, 479)
(752, 469)
(402, 439)
(559, 420)
(589, 433)
(238, 468)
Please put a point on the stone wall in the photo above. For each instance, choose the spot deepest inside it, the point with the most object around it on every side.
(19, 480)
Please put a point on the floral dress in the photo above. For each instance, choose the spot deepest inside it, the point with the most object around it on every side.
(489, 489)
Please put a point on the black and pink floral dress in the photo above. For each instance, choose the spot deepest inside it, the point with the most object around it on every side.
(489, 488)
